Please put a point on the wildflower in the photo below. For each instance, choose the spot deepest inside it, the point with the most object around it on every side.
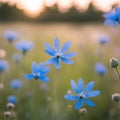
(17, 57)
(16, 84)
(114, 62)
(11, 35)
(10, 106)
(82, 94)
(7, 114)
(24, 46)
(59, 54)
(104, 39)
(3, 66)
(38, 72)
(100, 68)
(12, 99)
(2, 53)
(116, 97)
(112, 17)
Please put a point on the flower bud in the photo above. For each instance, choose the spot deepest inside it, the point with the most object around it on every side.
(7, 114)
(10, 106)
(114, 62)
(116, 97)
(83, 111)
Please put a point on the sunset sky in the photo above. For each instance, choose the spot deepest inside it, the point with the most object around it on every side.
(33, 8)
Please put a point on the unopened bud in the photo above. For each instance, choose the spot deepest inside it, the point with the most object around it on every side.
(116, 97)
(114, 62)
(7, 114)
(10, 106)
(83, 111)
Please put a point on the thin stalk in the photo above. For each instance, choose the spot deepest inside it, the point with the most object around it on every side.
(118, 72)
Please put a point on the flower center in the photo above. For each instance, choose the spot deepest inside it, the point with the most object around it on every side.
(37, 75)
(81, 96)
(58, 54)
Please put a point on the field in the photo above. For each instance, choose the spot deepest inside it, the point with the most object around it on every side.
(36, 100)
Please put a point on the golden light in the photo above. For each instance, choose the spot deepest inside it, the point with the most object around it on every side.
(50, 3)
(82, 5)
(31, 8)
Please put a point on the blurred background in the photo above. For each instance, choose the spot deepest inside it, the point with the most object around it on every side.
(41, 21)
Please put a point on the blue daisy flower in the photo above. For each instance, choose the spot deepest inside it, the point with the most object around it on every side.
(112, 17)
(38, 72)
(11, 35)
(100, 68)
(3, 66)
(59, 54)
(24, 46)
(12, 99)
(16, 84)
(82, 94)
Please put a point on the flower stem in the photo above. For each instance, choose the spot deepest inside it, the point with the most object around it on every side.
(118, 72)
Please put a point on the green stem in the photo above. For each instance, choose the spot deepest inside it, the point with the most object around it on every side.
(118, 72)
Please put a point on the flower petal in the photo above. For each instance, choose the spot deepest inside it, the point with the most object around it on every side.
(34, 67)
(89, 86)
(70, 97)
(57, 64)
(109, 22)
(78, 105)
(45, 70)
(29, 76)
(67, 61)
(74, 87)
(80, 85)
(66, 46)
(51, 61)
(57, 44)
(93, 93)
(49, 48)
(40, 67)
(89, 102)
(69, 55)
(50, 53)
(44, 78)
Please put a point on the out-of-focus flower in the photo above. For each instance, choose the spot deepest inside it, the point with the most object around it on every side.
(82, 95)
(24, 46)
(3, 66)
(16, 84)
(10, 106)
(112, 17)
(17, 57)
(104, 39)
(59, 54)
(12, 99)
(7, 114)
(38, 72)
(2, 53)
(11, 35)
(116, 97)
(100, 68)
(114, 62)
(44, 87)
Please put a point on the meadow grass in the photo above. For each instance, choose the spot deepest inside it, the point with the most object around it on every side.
(34, 103)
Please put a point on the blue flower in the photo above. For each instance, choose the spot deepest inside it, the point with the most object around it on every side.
(59, 54)
(11, 35)
(112, 17)
(100, 68)
(3, 66)
(16, 84)
(12, 99)
(104, 39)
(38, 72)
(24, 46)
(82, 94)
